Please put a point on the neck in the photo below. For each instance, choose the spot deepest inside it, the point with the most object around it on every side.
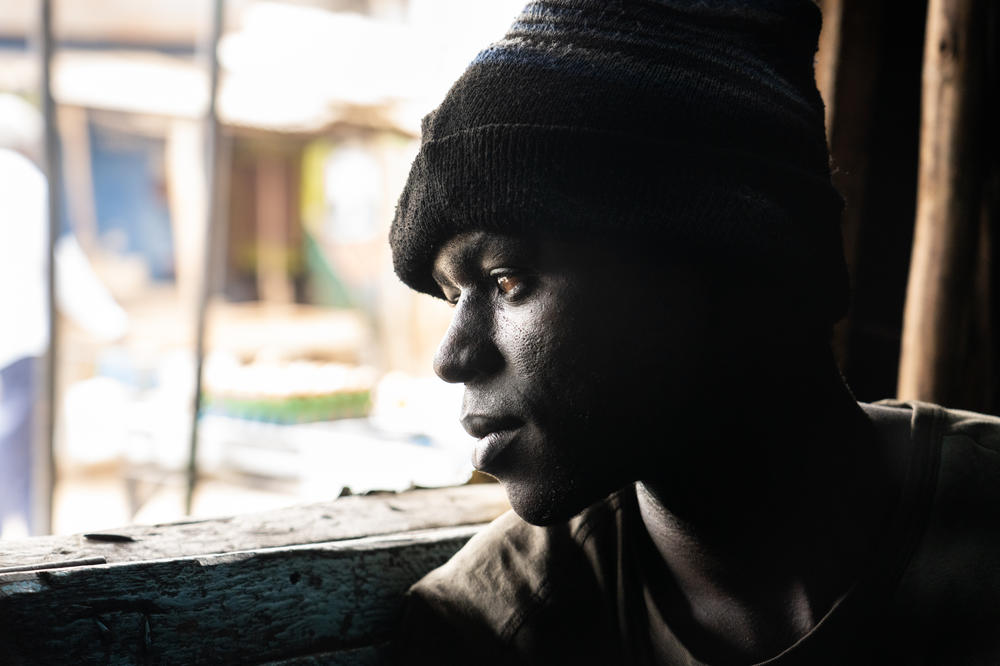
(777, 511)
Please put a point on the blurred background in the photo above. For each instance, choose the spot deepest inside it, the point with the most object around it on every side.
(224, 332)
(316, 375)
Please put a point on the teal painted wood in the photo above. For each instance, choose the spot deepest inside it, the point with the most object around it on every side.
(331, 603)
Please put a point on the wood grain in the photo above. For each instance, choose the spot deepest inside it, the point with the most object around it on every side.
(345, 518)
(331, 603)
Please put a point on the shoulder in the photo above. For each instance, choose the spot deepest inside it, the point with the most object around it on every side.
(962, 449)
(503, 589)
(961, 536)
(950, 589)
(980, 430)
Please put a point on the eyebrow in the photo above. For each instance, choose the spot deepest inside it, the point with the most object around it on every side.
(470, 254)
(458, 263)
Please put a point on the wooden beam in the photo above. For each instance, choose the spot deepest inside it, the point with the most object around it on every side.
(302, 585)
(334, 602)
(934, 350)
(345, 518)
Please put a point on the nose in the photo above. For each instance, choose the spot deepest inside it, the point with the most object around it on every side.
(467, 350)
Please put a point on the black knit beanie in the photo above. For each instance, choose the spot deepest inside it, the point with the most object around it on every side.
(688, 125)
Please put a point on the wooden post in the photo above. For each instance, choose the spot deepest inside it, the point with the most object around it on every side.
(42, 460)
(76, 157)
(273, 282)
(936, 321)
(868, 69)
(211, 242)
(828, 56)
(846, 71)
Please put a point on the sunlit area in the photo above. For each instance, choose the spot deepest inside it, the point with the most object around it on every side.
(224, 186)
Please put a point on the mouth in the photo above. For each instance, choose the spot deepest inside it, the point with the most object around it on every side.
(494, 434)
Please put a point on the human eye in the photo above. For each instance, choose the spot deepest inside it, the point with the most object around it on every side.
(511, 285)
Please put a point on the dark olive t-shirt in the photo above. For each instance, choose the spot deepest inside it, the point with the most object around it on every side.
(586, 591)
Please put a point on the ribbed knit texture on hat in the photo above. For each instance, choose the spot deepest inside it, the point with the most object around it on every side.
(690, 125)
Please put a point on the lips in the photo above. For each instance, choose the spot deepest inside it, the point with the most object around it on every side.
(494, 435)
(480, 426)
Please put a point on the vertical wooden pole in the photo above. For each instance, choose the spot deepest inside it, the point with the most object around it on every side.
(42, 454)
(847, 76)
(79, 180)
(273, 283)
(936, 320)
(828, 57)
(212, 198)
(868, 69)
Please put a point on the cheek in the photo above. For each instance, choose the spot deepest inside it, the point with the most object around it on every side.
(529, 338)
(543, 337)
(556, 359)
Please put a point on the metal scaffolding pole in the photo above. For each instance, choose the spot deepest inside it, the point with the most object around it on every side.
(42, 459)
(212, 239)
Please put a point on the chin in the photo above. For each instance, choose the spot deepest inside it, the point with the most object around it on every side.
(550, 480)
(548, 504)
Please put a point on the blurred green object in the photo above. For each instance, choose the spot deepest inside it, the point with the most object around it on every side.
(290, 409)
(326, 287)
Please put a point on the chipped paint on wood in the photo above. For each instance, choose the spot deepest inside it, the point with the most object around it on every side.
(19, 587)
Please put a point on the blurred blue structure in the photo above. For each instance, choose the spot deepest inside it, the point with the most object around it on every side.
(130, 196)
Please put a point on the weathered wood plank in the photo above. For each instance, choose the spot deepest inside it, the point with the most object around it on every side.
(331, 603)
(345, 518)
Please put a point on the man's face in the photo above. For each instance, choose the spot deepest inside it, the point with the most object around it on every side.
(577, 363)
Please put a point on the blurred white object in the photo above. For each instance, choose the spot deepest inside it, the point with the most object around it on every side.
(14, 527)
(21, 125)
(23, 230)
(94, 431)
(325, 457)
(81, 296)
(422, 406)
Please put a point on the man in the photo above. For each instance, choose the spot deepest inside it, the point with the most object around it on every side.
(629, 206)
